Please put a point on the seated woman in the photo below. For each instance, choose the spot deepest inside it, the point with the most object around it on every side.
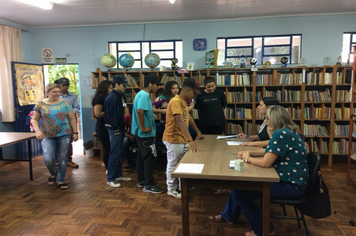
(262, 138)
(286, 153)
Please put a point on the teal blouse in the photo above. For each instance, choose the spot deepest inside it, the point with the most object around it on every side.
(291, 164)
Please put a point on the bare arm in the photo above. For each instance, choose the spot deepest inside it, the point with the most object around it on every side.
(191, 106)
(162, 111)
(183, 127)
(265, 162)
(141, 122)
(35, 123)
(249, 138)
(73, 124)
(98, 111)
(195, 128)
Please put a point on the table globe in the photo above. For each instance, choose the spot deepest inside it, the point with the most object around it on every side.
(152, 60)
(108, 60)
(126, 60)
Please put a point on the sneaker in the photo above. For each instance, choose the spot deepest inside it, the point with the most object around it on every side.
(152, 189)
(72, 164)
(123, 178)
(129, 167)
(174, 193)
(113, 184)
(141, 184)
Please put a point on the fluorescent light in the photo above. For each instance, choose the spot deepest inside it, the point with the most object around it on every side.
(172, 1)
(44, 4)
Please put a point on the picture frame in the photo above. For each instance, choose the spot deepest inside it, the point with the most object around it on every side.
(190, 66)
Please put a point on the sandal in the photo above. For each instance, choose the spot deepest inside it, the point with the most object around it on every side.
(219, 219)
(51, 180)
(62, 186)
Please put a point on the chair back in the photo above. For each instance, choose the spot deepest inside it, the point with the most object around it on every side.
(314, 167)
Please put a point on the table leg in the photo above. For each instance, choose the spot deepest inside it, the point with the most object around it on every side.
(185, 207)
(266, 208)
(29, 148)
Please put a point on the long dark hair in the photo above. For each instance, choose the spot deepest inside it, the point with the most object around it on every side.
(167, 89)
(102, 90)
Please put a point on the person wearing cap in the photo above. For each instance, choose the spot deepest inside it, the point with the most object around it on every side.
(72, 99)
(210, 104)
(114, 122)
(144, 128)
(176, 136)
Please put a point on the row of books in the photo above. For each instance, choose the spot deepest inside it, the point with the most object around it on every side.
(239, 96)
(342, 130)
(166, 78)
(234, 128)
(317, 96)
(342, 96)
(343, 113)
(312, 146)
(342, 78)
(239, 113)
(283, 96)
(279, 79)
(132, 81)
(315, 130)
(317, 112)
(233, 80)
(342, 147)
(318, 78)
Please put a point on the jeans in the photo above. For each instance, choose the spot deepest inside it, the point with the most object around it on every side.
(146, 160)
(175, 152)
(127, 152)
(242, 200)
(103, 136)
(59, 145)
(114, 164)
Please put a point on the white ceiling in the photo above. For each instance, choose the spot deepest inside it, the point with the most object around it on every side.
(106, 12)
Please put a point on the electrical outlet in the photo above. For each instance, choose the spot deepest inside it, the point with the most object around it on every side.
(327, 60)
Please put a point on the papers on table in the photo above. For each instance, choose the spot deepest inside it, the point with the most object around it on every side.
(227, 137)
(234, 142)
(190, 168)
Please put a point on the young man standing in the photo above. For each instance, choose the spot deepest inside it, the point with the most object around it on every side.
(114, 122)
(73, 101)
(176, 136)
(144, 128)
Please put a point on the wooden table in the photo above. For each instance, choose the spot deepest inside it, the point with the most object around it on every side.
(8, 138)
(216, 155)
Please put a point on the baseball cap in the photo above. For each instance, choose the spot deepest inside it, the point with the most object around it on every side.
(120, 79)
(194, 84)
(152, 78)
(63, 81)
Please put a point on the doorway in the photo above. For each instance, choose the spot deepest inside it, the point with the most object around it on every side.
(51, 73)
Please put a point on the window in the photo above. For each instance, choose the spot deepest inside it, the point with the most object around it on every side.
(166, 50)
(348, 41)
(263, 48)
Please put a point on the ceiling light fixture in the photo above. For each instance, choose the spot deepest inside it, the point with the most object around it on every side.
(44, 4)
(172, 1)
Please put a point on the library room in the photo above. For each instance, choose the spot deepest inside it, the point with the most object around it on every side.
(177, 117)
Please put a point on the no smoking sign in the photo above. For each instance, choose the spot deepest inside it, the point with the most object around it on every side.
(47, 55)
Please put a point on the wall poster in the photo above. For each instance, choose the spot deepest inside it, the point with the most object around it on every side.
(29, 83)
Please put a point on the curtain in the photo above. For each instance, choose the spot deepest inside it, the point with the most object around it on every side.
(10, 50)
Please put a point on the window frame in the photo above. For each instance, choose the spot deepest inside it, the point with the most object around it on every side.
(174, 41)
(352, 33)
(263, 46)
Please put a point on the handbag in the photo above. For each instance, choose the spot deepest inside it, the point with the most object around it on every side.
(318, 200)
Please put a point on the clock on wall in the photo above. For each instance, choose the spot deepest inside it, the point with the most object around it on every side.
(199, 44)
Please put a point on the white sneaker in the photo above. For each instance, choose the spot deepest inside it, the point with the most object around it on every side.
(113, 184)
(123, 178)
(175, 193)
(106, 172)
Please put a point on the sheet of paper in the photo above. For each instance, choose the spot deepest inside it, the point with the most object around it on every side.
(190, 168)
(226, 137)
(234, 143)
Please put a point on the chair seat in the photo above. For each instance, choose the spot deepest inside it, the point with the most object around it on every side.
(290, 202)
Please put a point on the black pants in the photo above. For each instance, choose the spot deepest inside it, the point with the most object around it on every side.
(215, 129)
(145, 161)
(103, 136)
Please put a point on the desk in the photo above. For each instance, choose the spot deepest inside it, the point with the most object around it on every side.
(216, 155)
(8, 138)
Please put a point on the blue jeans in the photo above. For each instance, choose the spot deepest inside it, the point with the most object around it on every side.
(242, 200)
(49, 147)
(114, 163)
(127, 152)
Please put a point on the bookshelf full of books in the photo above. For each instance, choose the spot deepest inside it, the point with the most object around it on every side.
(317, 98)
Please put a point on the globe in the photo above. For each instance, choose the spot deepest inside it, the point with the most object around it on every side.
(108, 60)
(152, 60)
(126, 60)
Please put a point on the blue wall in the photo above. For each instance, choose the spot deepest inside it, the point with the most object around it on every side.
(9, 151)
(321, 36)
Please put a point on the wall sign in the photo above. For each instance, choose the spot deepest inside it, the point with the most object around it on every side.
(47, 55)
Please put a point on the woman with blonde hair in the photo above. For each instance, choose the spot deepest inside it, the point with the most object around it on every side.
(287, 154)
(58, 124)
